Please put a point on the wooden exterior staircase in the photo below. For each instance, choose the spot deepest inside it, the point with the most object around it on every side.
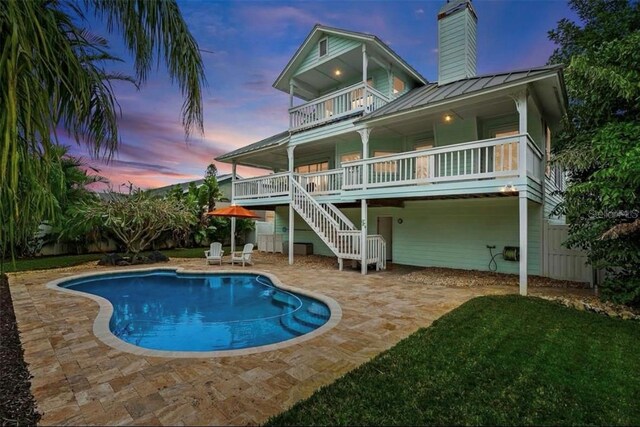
(335, 229)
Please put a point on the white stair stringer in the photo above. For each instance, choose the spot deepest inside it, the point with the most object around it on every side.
(335, 229)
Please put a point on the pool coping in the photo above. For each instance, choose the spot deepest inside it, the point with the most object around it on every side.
(103, 333)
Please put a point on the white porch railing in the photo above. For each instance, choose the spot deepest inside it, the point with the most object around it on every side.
(348, 246)
(335, 230)
(493, 158)
(320, 183)
(259, 187)
(485, 159)
(335, 105)
(535, 161)
(335, 213)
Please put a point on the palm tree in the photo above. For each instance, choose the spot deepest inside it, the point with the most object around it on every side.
(53, 79)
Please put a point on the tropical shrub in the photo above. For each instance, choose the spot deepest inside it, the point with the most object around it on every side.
(135, 220)
(599, 145)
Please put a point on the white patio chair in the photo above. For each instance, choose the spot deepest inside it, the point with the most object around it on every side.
(214, 254)
(244, 256)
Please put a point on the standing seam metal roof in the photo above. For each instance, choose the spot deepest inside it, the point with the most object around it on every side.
(273, 140)
(433, 93)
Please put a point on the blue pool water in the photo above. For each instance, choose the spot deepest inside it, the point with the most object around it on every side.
(202, 312)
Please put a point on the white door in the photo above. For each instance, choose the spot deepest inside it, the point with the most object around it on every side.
(385, 229)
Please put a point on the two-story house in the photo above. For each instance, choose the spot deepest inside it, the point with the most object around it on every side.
(379, 164)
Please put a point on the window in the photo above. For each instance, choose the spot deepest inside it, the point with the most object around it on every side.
(506, 154)
(398, 86)
(422, 162)
(349, 157)
(313, 167)
(386, 167)
(558, 177)
(323, 47)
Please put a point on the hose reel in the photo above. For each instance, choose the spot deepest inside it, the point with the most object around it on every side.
(511, 253)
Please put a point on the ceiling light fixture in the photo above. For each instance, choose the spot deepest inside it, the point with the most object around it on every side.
(338, 73)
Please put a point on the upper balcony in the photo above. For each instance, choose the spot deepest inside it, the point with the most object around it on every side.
(496, 165)
(350, 101)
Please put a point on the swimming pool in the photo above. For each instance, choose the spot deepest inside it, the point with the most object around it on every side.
(173, 311)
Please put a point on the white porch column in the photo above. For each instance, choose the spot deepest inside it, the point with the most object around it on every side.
(364, 136)
(291, 94)
(521, 106)
(290, 150)
(233, 201)
(365, 65)
(522, 211)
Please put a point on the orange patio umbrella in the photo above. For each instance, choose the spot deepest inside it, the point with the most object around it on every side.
(233, 211)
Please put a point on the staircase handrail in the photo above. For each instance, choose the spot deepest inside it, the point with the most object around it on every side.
(295, 184)
(338, 213)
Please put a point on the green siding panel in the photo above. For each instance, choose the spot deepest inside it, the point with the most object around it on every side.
(337, 46)
(534, 124)
(380, 80)
(456, 132)
(444, 233)
(551, 199)
(454, 233)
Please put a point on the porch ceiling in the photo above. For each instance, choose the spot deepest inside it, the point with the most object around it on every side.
(272, 159)
(411, 125)
(322, 78)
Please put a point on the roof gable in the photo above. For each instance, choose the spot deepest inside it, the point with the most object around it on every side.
(340, 41)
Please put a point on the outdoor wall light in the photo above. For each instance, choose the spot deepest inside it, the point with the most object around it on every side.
(400, 220)
(448, 118)
(508, 188)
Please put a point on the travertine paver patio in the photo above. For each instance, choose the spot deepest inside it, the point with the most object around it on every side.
(80, 380)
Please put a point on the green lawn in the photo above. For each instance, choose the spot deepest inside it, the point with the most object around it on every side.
(495, 360)
(44, 263)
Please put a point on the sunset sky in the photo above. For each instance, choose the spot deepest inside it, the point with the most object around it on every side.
(252, 41)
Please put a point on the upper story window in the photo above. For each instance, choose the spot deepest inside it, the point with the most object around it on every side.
(422, 162)
(349, 157)
(558, 177)
(387, 167)
(313, 167)
(506, 154)
(398, 86)
(323, 47)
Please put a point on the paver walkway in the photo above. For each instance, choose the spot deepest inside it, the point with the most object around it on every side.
(79, 380)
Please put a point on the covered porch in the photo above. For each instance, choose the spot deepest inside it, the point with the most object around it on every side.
(494, 146)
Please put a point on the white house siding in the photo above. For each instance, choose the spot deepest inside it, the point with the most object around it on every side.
(444, 233)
